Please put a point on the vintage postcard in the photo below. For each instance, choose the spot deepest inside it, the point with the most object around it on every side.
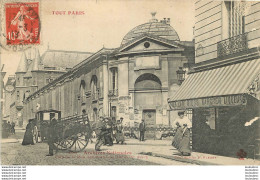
(130, 82)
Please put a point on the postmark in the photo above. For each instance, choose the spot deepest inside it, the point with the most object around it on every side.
(21, 25)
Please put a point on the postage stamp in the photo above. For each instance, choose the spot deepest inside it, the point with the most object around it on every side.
(22, 23)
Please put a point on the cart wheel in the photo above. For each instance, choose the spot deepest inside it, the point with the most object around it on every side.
(35, 135)
(80, 142)
(64, 144)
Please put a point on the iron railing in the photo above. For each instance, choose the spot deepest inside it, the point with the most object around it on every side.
(232, 45)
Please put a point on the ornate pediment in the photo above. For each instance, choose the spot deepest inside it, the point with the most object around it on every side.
(149, 43)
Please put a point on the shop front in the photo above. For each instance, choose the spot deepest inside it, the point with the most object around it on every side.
(225, 114)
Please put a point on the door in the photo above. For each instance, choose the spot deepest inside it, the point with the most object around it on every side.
(149, 117)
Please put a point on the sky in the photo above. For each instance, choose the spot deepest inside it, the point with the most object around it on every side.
(104, 24)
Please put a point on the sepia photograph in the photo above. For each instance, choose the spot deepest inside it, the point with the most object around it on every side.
(127, 82)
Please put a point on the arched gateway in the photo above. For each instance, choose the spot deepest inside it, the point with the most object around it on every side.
(148, 97)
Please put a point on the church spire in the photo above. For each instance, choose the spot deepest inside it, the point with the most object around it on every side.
(22, 67)
(36, 61)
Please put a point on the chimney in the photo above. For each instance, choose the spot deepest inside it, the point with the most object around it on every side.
(153, 17)
(164, 21)
(168, 21)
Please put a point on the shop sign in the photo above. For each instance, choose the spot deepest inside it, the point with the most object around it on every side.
(230, 100)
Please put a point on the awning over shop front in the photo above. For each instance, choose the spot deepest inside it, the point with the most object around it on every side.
(223, 86)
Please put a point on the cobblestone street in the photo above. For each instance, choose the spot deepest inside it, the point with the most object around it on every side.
(13, 153)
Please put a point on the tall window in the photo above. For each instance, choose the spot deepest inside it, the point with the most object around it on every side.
(236, 19)
(93, 85)
(82, 90)
(26, 95)
(95, 116)
(113, 78)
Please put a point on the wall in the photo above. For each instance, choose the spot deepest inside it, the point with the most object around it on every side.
(252, 21)
(211, 27)
(208, 28)
(64, 96)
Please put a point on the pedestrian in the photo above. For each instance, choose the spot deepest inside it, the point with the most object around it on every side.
(87, 123)
(108, 135)
(52, 136)
(120, 132)
(5, 132)
(28, 135)
(103, 134)
(9, 126)
(12, 128)
(181, 140)
(142, 130)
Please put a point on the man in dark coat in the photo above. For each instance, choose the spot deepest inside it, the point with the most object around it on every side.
(120, 132)
(5, 132)
(89, 129)
(142, 130)
(9, 126)
(28, 135)
(51, 137)
(108, 132)
(12, 128)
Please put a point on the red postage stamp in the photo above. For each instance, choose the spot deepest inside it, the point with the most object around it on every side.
(22, 23)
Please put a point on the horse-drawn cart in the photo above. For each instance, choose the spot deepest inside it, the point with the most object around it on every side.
(70, 133)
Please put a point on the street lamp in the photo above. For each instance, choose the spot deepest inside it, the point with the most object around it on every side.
(181, 75)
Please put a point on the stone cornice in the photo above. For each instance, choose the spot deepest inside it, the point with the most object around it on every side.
(160, 51)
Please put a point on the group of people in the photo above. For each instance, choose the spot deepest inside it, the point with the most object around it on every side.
(111, 131)
(28, 135)
(7, 129)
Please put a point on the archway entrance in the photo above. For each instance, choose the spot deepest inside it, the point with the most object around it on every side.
(147, 98)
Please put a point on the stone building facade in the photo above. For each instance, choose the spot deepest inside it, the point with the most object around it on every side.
(34, 72)
(132, 81)
(223, 91)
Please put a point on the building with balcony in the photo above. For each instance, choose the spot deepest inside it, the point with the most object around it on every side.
(223, 91)
(132, 81)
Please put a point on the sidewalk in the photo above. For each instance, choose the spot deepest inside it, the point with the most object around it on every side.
(9, 140)
(14, 138)
(163, 149)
